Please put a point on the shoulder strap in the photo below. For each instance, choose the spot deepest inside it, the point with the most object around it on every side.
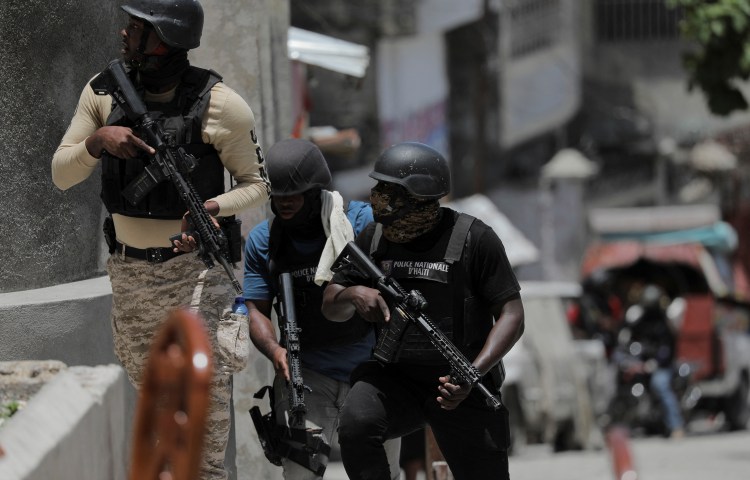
(195, 95)
(274, 241)
(197, 82)
(375, 241)
(454, 253)
(458, 238)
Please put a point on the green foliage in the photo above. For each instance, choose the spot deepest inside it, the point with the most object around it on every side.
(721, 56)
(8, 409)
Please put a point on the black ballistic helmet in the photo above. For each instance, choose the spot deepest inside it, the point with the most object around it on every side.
(178, 23)
(295, 166)
(419, 168)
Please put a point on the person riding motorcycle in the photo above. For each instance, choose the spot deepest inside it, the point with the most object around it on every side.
(648, 326)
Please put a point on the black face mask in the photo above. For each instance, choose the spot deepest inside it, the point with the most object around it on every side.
(306, 223)
(157, 71)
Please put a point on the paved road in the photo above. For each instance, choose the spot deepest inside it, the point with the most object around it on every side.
(720, 456)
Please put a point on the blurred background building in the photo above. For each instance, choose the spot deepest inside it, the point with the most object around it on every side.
(501, 87)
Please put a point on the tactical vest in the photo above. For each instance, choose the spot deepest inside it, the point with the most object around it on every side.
(441, 275)
(181, 119)
(316, 330)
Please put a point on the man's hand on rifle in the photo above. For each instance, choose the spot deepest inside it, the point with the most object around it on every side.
(280, 365)
(451, 395)
(368, 302)
(188, 243)
(118, 141)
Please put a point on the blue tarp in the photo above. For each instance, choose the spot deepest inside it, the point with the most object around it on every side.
(719, 237)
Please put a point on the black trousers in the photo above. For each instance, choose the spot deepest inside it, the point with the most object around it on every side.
(390, 401)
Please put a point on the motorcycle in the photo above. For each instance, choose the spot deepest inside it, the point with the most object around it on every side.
(634, 404)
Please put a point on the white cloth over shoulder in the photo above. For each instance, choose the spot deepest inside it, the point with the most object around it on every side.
(338, 231)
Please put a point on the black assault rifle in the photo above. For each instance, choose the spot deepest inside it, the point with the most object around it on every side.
(285, 309)
(305, 446)
(409, 307)
(168, 163)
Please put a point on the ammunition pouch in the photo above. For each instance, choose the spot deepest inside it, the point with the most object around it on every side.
(306, 447)
(109, 234)
(233, 233)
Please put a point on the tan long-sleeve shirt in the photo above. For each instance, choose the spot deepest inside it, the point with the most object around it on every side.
(228, 125)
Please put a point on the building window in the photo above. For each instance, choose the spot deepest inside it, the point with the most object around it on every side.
(534, 25)
(635, 20)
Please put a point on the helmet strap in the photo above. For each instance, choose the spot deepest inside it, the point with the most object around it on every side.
(145, 34)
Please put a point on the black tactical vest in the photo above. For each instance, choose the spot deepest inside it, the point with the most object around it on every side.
(317, 331)
(181, 119)
(441, 275)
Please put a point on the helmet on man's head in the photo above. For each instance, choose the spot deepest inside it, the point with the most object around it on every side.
(417, 167)
(651, 296)
(295, 166)
(178, 23)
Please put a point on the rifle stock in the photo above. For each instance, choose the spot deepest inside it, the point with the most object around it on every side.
(168, 163)
(410, 306)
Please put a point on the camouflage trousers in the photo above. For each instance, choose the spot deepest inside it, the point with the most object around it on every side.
(142, 294)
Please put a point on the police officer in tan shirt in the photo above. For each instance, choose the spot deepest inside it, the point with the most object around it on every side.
(149, 274)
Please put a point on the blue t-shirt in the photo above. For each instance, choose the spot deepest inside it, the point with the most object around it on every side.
(335, 362)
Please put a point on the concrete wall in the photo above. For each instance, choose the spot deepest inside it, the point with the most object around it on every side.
(68, 322)
(49, 51)
(52, 238)
(73, 428)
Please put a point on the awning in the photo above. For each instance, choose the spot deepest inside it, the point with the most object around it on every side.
(717, 272)
(327, 52)
(720, 237)
(622, 254)
(652, 219)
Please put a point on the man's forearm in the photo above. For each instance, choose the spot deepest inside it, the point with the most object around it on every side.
(241, 198)
(262, 333)
(504, 334)
(337, 306)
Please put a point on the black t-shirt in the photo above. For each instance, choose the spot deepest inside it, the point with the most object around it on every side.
(489, 270)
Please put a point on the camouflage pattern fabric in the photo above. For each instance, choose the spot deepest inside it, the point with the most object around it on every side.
(404, 217)
(233, 341)
(142, 294)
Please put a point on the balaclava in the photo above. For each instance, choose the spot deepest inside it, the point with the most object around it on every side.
(161, 68)
(403, 216)
(306, 223)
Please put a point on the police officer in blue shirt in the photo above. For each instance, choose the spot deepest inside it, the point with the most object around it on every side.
(308, 218)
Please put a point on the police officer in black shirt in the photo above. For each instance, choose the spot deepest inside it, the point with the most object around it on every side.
(460, 266)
